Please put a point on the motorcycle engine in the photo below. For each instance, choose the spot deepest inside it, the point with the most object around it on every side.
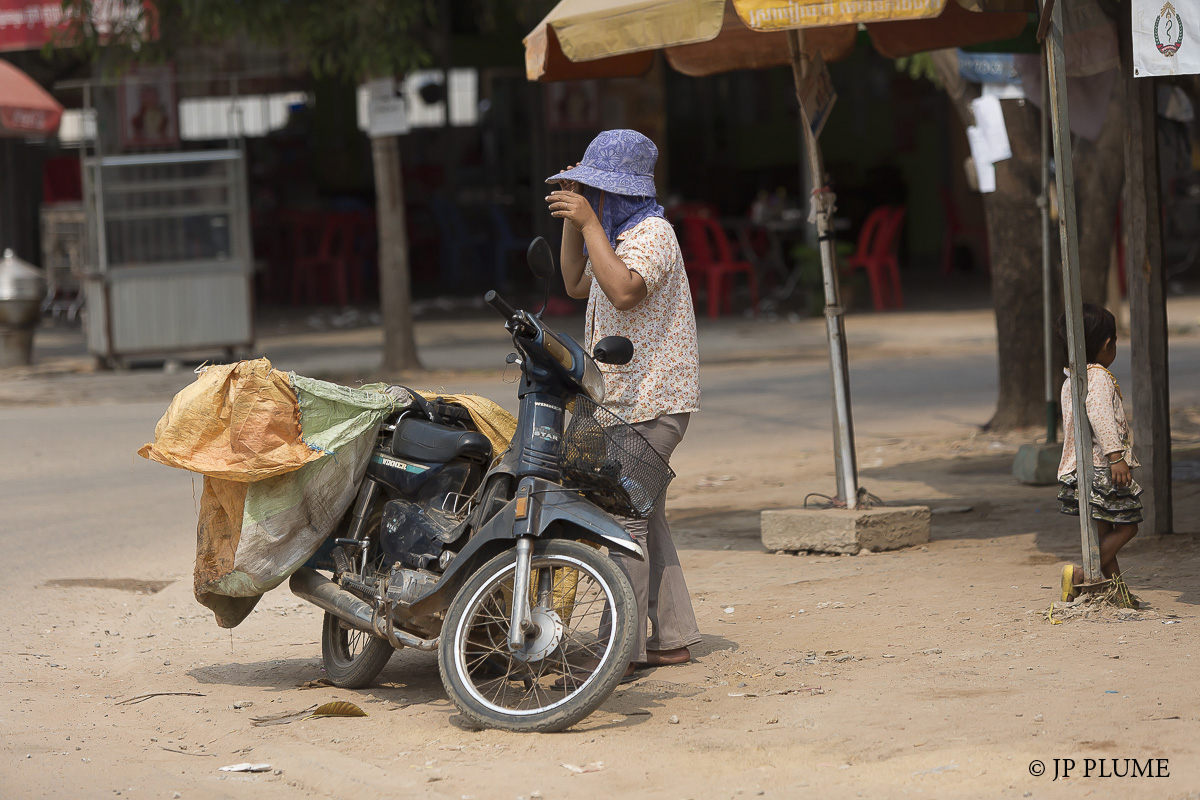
(414, 535)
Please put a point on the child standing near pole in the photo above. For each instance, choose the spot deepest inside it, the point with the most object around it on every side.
(1114, 496)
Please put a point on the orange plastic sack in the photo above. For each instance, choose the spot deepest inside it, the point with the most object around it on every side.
(239, 422)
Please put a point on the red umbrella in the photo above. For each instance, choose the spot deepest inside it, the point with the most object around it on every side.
(26, 109)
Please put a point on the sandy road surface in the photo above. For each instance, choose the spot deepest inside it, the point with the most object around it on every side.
(929, 671)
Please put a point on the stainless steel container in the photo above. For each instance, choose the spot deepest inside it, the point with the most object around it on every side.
(22, 289)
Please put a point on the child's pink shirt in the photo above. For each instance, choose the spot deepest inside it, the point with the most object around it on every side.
(1110, 431)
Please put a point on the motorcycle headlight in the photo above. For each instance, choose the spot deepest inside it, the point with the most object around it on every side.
(593, 380)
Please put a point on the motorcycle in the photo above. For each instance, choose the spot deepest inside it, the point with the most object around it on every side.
(496, 563)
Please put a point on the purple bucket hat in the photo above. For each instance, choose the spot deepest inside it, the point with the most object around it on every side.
(620, 161)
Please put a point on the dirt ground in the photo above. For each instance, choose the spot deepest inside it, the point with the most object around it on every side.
(930, 671)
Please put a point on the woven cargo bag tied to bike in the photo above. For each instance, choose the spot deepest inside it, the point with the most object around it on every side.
(282, 456)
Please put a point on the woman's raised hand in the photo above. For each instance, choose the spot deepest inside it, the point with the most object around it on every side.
(573, 207)
(569, 186)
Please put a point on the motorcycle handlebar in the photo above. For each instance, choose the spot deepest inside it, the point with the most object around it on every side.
(497, 302)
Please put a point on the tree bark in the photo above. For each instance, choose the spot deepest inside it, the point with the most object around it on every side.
(395, 281)
(1099, 177)
(1014, 243)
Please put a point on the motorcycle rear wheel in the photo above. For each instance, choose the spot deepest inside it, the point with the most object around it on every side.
(587, 626)
(351, 658)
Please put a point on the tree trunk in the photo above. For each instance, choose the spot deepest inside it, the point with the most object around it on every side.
(1099, 178)
(1015, 247)
(1014, 242)
(395, 281)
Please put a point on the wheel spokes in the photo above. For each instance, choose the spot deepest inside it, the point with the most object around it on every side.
(506, 680)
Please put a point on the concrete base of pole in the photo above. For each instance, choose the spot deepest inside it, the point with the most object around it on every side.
(16, 347)
(1037, 464)
(845, 531)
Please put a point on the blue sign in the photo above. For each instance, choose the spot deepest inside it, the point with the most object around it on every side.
(988, 67)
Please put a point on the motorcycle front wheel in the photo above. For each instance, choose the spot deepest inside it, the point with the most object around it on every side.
(586, 618)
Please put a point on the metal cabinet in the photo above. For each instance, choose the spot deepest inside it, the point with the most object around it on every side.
(64, 238)
(171, 267)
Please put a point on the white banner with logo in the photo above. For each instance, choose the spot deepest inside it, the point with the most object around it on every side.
(1166, 37)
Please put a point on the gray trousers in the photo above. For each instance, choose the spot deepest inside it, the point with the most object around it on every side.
(658, 584)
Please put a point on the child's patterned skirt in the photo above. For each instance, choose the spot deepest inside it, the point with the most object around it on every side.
(1120, 505)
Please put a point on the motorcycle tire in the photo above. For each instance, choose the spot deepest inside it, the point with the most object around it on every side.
(351, 658)
(564, 672)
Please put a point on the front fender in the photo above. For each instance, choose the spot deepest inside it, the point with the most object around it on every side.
(551, 512)
(567, 509)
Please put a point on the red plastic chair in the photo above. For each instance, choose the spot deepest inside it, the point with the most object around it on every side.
(709, 261)
(682, 210)
(876, 253)
(955, 230)
(325, 265)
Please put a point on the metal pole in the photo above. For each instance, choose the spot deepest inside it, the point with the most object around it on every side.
(1047, 272)
(1072, 290)
(845, 464)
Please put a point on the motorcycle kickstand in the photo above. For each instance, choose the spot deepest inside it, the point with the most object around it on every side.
(521, 625)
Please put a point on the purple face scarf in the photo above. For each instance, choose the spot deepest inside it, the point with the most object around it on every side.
(621, 212)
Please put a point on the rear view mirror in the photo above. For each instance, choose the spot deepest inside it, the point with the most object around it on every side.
(616, 350)
(540, 258)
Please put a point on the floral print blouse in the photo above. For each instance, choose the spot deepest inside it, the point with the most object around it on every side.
(1105, 412)
(664, 375)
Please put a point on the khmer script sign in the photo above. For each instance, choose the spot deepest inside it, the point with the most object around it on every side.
(769, 15)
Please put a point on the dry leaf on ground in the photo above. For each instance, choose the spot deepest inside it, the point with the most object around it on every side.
(339, 708)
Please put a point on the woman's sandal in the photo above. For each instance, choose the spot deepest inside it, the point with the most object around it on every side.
(1069, 592)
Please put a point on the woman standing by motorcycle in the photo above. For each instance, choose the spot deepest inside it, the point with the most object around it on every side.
(620, 253)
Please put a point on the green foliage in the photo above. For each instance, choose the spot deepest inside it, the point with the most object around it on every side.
(919, 66)
(349, 39)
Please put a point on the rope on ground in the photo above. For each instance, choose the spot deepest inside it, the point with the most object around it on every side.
(866, 500)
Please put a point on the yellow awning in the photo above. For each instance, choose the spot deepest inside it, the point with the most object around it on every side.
(592, 29)
(776, 15)
(582, 39)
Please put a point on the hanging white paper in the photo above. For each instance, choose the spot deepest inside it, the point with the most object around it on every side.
(985, 169)
(989, 119)
(386, 115)
(1166, 37)
(1004, 91)
(988, 139)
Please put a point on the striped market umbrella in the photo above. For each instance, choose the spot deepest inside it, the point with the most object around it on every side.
(582, 39)
(26, 109)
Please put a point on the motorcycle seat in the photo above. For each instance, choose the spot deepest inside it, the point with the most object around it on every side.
(422, 440)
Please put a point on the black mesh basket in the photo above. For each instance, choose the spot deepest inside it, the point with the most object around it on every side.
(611, 463)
